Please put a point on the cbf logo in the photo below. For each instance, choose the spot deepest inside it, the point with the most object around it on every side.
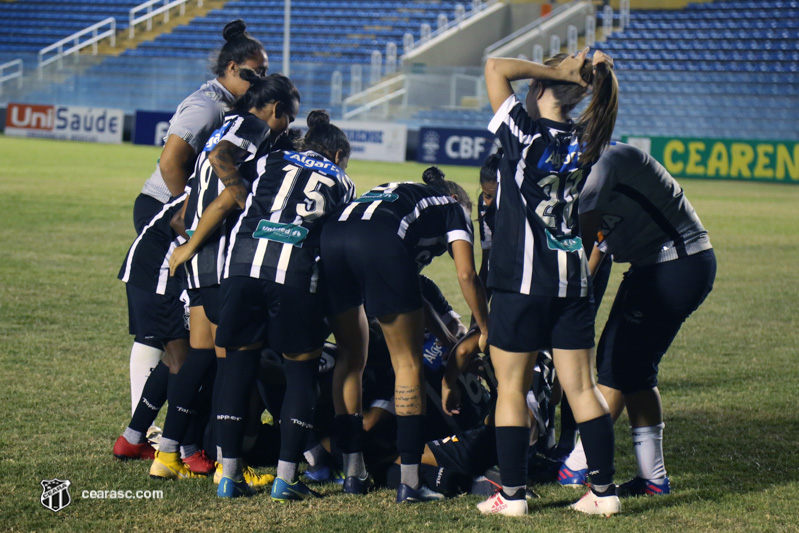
(430, 145)
(55, 494)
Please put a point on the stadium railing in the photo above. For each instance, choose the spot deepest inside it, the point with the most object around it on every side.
(77, 45)
(151, 13)
(14, 75)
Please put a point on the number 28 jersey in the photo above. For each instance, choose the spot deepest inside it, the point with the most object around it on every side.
(536, 246)
(277, 236)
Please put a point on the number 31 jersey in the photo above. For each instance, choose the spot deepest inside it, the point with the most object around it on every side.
(277, 236)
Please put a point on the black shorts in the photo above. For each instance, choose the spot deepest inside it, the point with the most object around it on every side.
(366, 262)
(209, 299)
(470, 452)
(156, 317)
(528, 323)
(650, 307)
(285, 318)
(144, 209)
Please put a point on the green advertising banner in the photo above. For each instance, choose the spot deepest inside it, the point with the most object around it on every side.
(731, 159)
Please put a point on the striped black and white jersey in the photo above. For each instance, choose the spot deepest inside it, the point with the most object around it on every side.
(425, 219)
(646, 217)
(194, 121)
(486, 215)
(277, 235)
(537, 246)
(245, 131)
(147, 264)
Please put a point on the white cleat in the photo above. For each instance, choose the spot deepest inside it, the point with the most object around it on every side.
(590, 503)
(498, 504)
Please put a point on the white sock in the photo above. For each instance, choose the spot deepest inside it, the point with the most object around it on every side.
(143, 359)
(576, 460)
(648, 446)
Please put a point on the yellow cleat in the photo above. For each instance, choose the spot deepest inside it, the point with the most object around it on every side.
(252, 478)
(169, 466)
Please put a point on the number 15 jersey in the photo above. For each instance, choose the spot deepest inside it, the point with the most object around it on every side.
(277, 236)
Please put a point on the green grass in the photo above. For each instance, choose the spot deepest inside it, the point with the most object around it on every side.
(729, 382)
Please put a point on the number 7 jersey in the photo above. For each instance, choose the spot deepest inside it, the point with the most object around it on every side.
(277, 235)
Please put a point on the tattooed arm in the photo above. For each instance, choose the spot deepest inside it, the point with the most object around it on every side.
(225, 159)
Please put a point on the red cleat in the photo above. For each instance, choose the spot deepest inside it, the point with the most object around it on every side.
(199, 463)
(125, 451)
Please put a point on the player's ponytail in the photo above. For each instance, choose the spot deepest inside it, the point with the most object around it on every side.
(239, 47)
(488, 172)
(434, 177)
(325, 138)
(597, 121)
(273, 88)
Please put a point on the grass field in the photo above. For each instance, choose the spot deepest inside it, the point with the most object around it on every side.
(730, 383)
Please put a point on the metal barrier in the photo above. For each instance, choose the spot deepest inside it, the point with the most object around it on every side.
(7, 77)
(77, 45)
(148, 17)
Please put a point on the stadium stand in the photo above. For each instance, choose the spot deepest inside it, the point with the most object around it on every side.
(325, 37)
(689, 72)
(694, 72)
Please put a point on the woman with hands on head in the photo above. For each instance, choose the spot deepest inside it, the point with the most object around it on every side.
(538, 271)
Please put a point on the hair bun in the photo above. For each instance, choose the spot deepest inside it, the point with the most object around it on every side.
(318, 118)
(234, 30)
(432, 175)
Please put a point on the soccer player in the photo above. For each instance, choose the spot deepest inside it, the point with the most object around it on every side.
(194, 120)
(156, 313)
(258, 119)
(269, 296)
(644, 219)
(372, 252)
(538, 272)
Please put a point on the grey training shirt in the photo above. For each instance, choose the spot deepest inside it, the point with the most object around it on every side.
(646, 218)
(195, 120)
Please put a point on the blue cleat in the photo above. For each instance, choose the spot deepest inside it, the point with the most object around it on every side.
(644, 487)
(572, 478)
(325, 474)
(356, 485)
(406, 494)
(283, 491)
(233, 489)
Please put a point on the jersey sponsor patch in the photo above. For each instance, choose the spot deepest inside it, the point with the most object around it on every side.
(372, 196)
(566, 245)
(323, 167)
(285, 233)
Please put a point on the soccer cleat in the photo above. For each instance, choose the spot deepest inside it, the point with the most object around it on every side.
(638, 486)
(499, 504)
(572, 478)
(125, 451)
(283, 491)
(324, 474)
(169, 466)
(199, 463)
(233, 489)
(356, 485)
(592, 503)
(406, 494)
(252, 478)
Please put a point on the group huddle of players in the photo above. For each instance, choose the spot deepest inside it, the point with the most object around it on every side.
(253, 248)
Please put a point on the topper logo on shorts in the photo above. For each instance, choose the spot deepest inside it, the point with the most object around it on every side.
(323, 167)
(55, 494)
